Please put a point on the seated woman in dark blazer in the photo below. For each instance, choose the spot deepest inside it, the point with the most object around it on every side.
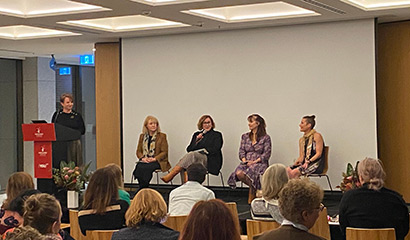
(205, 148)
(102, 209)
(372, 205)
(148, 209)
(152, 151)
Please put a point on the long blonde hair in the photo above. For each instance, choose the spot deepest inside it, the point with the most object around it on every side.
(273, 180)
(147, 119)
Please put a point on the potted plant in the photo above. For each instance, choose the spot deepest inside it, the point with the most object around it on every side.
(72, 179)
(350, 179)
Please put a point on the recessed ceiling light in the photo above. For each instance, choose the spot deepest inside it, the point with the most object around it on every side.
(378, 4)
(40, 8)
(125, 23)
(252, 12)
(19, 32)
(165, 2)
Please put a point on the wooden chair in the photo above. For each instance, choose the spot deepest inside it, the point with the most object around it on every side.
(176, 222)
(234, 210)
(75, 230)
(255, 227)
(100, 234)
(326, 167)
(370, 233)
(321, 227)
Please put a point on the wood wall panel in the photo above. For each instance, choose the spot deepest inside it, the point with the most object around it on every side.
(108, 113)
(393, 104)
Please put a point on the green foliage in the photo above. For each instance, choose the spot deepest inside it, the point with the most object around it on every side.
(71, 177)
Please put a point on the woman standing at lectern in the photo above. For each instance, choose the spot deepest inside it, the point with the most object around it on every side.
(71, 119)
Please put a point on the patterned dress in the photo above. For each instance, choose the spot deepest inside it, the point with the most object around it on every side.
(261, 149)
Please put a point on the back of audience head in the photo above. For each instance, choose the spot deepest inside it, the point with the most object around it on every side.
(371, 172)
(25, 233)
(17, 183)
(116, 170)
(299, 199)
(42, 212)
(210, 220)
(196, 172)
(273, 180)
(147, 206)
(102, 190)
(17, 205)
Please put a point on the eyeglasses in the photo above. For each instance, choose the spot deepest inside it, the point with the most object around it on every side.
(321, 207)
(207, 122)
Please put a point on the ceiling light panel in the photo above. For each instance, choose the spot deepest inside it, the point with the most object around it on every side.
(378, 4)
(165, 2)
(41, 8)
(125, 23)
(19, 32)
(253, 12)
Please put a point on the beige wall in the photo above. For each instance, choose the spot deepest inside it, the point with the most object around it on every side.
(393, 104)
(107, 99)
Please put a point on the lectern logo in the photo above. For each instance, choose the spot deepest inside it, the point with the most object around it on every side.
(38, 133)
(44, 165)
(42, 152)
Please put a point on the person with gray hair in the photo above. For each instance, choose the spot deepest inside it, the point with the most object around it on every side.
(300, 205)
(267, 207)
(373, 205)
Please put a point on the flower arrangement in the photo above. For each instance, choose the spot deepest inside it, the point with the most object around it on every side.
(71, 177)
(350, 179)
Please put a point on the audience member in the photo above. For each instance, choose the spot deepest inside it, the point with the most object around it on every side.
(27, 233)
(211, 220)
(43, 213)
(373, 205)
(300, 205)
(205, 148)
(148, 209)
(183, 198)
(102, 208)
(152, 152)
(267, 207)
(311, 150)
(254, 154)
(124, 195)
(17, 183)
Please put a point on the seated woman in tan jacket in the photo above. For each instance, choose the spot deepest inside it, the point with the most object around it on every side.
(152, 151)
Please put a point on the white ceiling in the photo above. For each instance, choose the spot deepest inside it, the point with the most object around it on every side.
(72, 46)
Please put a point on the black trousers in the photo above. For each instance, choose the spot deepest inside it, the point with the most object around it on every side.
(143, 172)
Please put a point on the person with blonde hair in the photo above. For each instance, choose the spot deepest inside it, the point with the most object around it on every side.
(18, 182)
(211, 220)
(311, 150)
(300, 205)
(152, 152)
(102, 209)
(205, 148)
(144, 217)
(267, 207)
(116, 170)
(373, 205)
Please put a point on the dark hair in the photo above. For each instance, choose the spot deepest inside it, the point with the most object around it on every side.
(218, 219)
(202, 120)
(261, 128)
(197, 172)
(311, 120)
(102, 190)
(41, 212)
(66, 95)
(17, 205)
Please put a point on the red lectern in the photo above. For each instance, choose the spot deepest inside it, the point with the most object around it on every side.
(42, 134)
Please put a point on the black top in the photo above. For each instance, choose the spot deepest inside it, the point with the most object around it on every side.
(146, 231)
(112, 219)
(72, 120)
(212, 142)
(366, 208)
(320, 159)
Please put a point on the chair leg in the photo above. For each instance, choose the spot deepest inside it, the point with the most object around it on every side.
(222, 179)
(157, 178)
(207, 178)
(328, 181)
